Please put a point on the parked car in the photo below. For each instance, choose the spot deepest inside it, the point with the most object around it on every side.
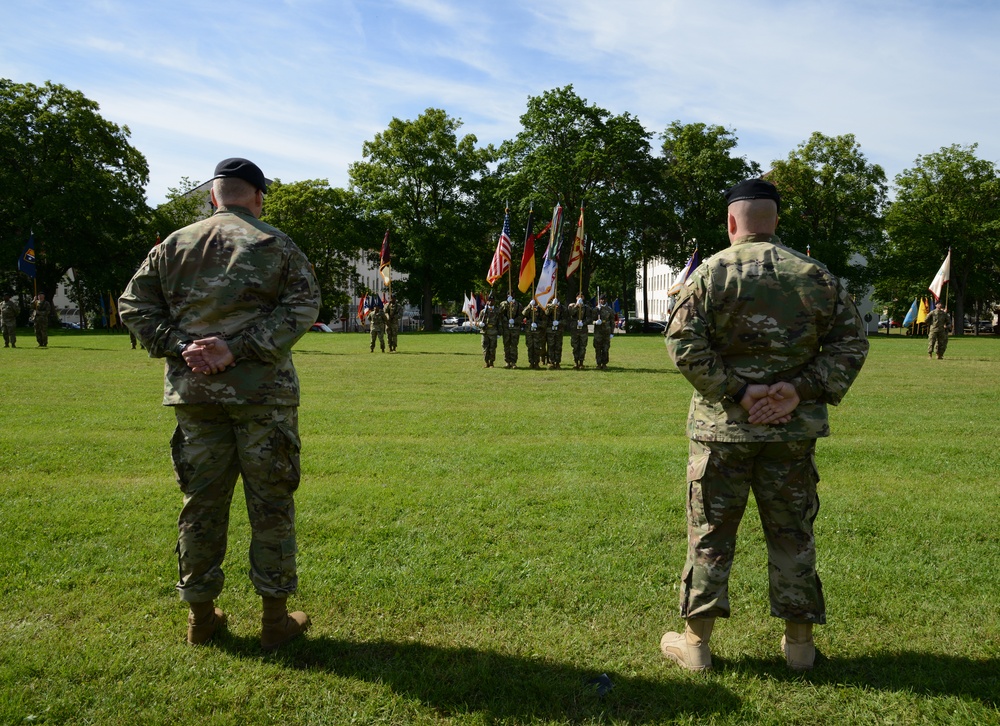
(653, 326)
(321, 328)
(465, 327)
(455, 320)
(69, 326)
(887, 323)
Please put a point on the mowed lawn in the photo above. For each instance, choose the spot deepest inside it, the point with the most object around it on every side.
(477, 546)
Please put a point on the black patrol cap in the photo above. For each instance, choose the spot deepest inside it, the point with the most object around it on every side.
(754, 189)
(242, 169)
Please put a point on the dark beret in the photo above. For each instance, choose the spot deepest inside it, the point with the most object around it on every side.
(754, 189)
(242, 169)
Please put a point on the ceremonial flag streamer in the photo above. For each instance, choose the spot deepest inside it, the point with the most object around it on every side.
(691, 266)
(384, 268)
(576, 254)
(501, 258)
(546, 287)
(943, 275)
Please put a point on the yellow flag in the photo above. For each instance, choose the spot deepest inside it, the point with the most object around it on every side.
(924, 309)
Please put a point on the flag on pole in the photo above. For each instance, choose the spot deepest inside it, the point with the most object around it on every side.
(26, 262)
(526, 278)
(550, 262)
(362, 310)
(924, 310)
(576, 254)
(501, 258)
(691, 266)
(943, 275)
(113, 310)
(911, 314)
(383, 261)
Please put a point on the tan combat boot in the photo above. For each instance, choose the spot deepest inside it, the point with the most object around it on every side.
(280, 626)
(690, 648)
(203, 620)
(798, 647)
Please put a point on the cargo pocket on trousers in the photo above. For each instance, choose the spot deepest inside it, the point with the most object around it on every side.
(696, 467)
(285, 447)
(182, 470)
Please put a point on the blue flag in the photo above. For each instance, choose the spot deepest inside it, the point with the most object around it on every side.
(911, 316)
(26, 262)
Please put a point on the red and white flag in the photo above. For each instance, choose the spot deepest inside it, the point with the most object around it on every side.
(943, 275)
(501, 258)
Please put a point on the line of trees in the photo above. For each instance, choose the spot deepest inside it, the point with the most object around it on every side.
(73, 179)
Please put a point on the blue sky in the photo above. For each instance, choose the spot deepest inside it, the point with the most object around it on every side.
(299, 85)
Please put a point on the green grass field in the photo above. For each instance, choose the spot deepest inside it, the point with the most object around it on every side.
(476, 545)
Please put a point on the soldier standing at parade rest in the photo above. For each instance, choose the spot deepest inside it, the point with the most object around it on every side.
(555, 312)
(8, 320)
(938, 322)
(393, 312)
(579, 316)
(510, 311)
(377, 321)
(223, 301)
(534, 332)
(41, 309)
(769, 338)
(604, 325)
(489, 325)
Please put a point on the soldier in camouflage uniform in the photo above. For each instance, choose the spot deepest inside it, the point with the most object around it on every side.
(489, 325)
(8, 321)
(555, 313)
(393, 312)
(769, 338)
(534, 332)
(377, 321)
(938, 322)
(510, 311)
(223, 301)
(578, 319)
(604, 329)
(41, 310)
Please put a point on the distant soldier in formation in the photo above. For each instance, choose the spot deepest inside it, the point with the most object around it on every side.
(489, 324)
(579, 316)
(8, 320)
(42, 309)
(393, 313)
(534, 332)
(377, 322)
(938, 322)
(604, 326)
(510, 311)
(555, 312)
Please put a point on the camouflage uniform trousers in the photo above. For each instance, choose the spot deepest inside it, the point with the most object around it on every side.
(211, 446)
(511, 341)
(489, 347)
(391, 333)
(380, 335)
(42, 330)
(534, 341)
(578, 341)
(9, 334)
(783, 478)
(937, 339)
(602, 349)
(554, 344)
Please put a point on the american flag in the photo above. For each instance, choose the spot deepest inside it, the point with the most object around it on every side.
(501, 258)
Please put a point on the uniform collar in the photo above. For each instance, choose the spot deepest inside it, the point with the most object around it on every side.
(750, 238)
(233, 209)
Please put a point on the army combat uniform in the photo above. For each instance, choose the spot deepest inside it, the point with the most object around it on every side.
(578, 319)
(759, 312)
(489, 324)
(40, 317)
(377, 321)
(393, 312)
(510, 321)
(938, 321)
(555, 313)
(604, 327)
(534, 332)
(237, 278)
(8, 321)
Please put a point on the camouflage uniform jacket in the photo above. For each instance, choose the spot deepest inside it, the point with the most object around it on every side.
(604, 321)
(377, 320)
(508, 312)
(578, 312)
(42, 309)
(759, 312)
(555, 312)
(234, 277)
(534, 314)
(393, 312)
(489, 320)
(937, 321)
(8, 312)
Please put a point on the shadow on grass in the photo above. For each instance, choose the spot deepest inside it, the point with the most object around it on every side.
(919, 673)
(455, 681)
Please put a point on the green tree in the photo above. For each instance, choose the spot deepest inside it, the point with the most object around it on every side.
(73, 179)
(425, 182)
(833, 202)
(184, 206)
(573, 152)
(328, 225)
(949, 199)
